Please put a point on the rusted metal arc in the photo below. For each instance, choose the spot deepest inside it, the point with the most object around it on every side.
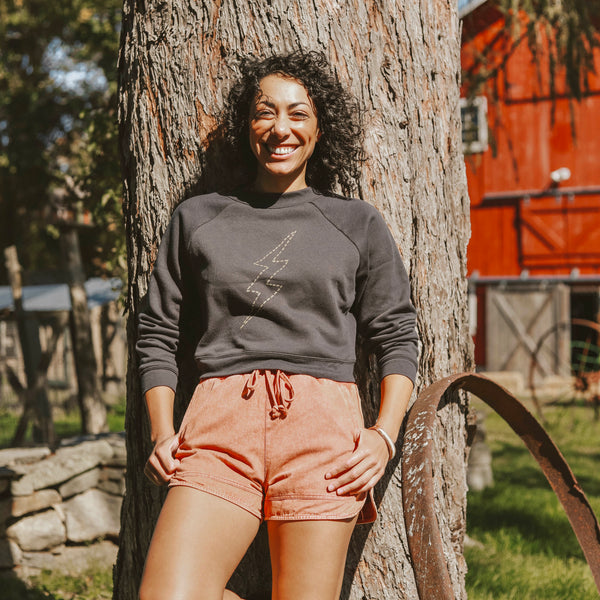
(424, 538)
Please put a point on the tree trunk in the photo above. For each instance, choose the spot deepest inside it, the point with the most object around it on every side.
(402, 62)
(36, 398)
(91, 405)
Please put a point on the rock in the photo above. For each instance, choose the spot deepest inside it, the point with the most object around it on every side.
(470, 542)
(6, 473)
(4, 485)
(111, 473)
(116, 461)
(5, 509)
(73, 560)
(91, 515)
(38, 532)
(112, 487)
(22, 456)
(513, 381)
(79, 484)
(21, 505)
(10, 554)
(65, 464)
(479, 469)
(112, 438)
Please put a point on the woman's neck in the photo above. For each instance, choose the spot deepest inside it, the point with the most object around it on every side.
(278, 185)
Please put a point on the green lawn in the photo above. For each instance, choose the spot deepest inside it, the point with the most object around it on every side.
(65, 425)
(93, 585)
(529, 549)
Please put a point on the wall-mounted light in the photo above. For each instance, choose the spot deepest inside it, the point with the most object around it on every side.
(562, 174)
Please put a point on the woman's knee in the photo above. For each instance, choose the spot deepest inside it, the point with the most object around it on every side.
(166, 591)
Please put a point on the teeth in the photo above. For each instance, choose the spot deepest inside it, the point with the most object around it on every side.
(281, 149)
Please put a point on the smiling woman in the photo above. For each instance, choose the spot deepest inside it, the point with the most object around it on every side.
(337, 156)
(283, 132)
(286, 275)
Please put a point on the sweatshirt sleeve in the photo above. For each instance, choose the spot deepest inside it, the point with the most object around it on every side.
(386, 317)
(159, 321)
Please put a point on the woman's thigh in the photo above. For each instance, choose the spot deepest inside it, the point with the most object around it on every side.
(198, 542)
(308, 558)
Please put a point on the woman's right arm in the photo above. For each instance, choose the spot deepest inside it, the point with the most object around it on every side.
(162, 463)
(158, 341)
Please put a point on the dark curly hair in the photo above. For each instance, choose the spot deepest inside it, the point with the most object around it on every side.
(338, 153)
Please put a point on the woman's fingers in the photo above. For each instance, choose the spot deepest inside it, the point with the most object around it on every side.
(363, 469)
(161, 464)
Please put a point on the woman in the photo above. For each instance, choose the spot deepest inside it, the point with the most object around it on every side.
(283, 276)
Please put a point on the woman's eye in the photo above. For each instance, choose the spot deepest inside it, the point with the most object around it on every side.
(300, 115)
(261, 114)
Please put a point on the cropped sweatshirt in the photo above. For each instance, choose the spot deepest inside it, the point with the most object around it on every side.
(276, 281)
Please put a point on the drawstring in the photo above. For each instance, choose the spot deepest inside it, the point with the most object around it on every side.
(279, 389)
(250, 384)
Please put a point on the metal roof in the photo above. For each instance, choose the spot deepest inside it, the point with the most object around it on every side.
(467, 6)
(55, 296)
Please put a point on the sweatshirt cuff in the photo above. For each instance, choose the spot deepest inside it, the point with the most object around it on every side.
(399, 366)
(156, 377)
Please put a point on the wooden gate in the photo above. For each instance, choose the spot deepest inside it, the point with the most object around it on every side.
(517, 316)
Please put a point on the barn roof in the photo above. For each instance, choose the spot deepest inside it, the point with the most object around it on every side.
(55, 296)
(467, 6)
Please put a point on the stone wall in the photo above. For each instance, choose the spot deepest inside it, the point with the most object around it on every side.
(61, 510)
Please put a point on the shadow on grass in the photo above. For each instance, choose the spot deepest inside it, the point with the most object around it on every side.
(515, 465)
(15, 589)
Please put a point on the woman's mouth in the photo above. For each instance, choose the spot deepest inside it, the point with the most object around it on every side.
(281, 150)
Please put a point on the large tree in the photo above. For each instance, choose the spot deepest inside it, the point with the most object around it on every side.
(402, 62)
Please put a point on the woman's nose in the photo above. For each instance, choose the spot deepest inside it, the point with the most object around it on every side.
(281, 126)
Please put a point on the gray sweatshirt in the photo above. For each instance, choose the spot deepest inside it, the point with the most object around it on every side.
(277, 281)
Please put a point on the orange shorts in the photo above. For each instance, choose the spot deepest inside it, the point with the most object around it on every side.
(265, 440)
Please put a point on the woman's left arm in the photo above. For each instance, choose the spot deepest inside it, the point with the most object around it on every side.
(366, 465)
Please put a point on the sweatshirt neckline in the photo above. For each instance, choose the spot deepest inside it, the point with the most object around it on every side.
(274, 199)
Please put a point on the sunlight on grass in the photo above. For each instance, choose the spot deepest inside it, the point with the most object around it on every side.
(66, 425)
(530, 550)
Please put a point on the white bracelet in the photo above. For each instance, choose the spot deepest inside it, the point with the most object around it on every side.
(388, 441)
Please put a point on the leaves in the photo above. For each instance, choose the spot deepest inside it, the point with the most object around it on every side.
(58, 131)
(565, 30)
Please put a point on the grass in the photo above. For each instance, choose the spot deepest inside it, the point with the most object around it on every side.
(91, 585)
(68, 424)
(529, 549)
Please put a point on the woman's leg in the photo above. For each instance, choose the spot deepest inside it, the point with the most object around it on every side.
(197, 544)
(308, 558)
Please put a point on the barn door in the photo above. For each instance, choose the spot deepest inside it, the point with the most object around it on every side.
(521, 317)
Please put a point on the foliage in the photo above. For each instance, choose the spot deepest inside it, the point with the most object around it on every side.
(565, 30)
(529, 549)
(58, 128)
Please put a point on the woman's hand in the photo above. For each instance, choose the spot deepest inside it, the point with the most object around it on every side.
(363, 469)
(162, 463)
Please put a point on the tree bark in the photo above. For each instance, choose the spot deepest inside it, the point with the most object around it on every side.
(402, 62)
(91, 405)
(35, 398)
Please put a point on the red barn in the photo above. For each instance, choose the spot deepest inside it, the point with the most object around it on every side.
(531, 155)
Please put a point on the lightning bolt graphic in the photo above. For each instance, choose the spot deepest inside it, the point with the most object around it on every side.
(265, 264)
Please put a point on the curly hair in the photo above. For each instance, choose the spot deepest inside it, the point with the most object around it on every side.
(338, 153)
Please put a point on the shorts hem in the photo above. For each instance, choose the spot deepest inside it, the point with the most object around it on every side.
(219, 479)
(312, 517)
(219, 494)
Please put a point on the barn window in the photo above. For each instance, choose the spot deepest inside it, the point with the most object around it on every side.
(473, 114)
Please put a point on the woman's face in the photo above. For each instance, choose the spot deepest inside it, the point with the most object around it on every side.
(283, 132)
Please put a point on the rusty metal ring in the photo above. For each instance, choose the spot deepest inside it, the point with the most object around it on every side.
(418, 472)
